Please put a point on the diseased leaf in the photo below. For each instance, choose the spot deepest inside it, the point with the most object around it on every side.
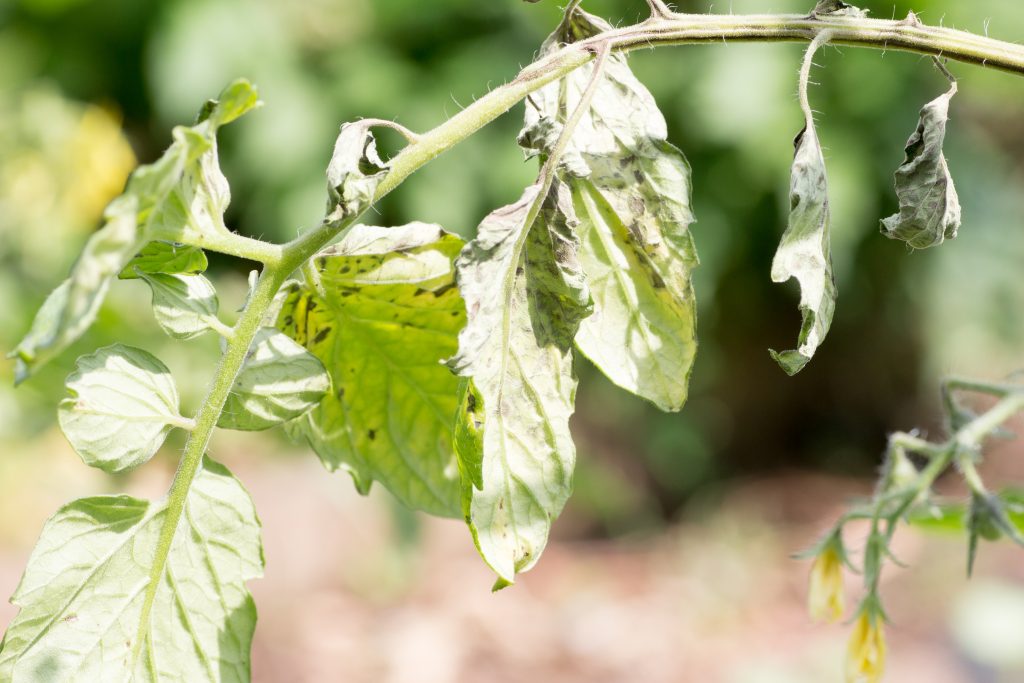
(354, 172)
(185, 306)
(122, 404)
(180, 197)
(388, 315)
(82, 593)
(929, 207)
(805, 252)
(279, 381)
(631, 191)
(838, 8)
(525, 296)
(69, 311)
(165, 257)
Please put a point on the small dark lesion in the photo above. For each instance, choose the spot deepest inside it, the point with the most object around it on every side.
(371, 434)
(322, 334)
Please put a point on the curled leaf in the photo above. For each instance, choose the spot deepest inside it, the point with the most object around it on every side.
(631, 193)
(354, 172)
(180, 197)
(929, 207)
(525, 296)
(122, 404)
(388, 313)
(805, 251)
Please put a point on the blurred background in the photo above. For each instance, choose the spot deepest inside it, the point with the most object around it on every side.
(671, 562)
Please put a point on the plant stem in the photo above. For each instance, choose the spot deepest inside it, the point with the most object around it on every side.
(235, 353)
(232, 244)
(908, 35)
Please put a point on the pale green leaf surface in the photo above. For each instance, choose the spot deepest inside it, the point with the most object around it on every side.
(929, 207)
(525, 295)
(166, 257)
(805, 250)
(70, 310)
(280, 381)
(180, 197)
(122, 404)
(82, 592)
(389, 315)
(631, 191)
(185, 306)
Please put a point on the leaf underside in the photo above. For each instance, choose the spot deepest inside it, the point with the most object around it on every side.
(123, 403)
(805, 250)
(279, 381)
(389, 313)
(82, 592)
(631, 190)
(525, 296)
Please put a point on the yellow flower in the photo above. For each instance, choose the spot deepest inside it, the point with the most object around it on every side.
(825, 599)
(865, 654)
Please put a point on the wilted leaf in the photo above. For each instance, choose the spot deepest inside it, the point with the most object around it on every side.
(123, 403)
(525, 296)
(389, 314)
(185, 306)
(354, 173)
(279, 381)
(82, 593)
(805, 252)
(181, 196)
(631, 191)
(165, 257)
(929, 206)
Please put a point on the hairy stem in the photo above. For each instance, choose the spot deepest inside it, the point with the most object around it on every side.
(235, 353)
(908, 35)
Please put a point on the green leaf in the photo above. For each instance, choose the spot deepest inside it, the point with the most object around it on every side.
(525, 295)
(280, 381)
(82, 593)
(631, 191)
(185, 306)
(165, 257)
(180, 197)
(122, 404)
(929, 206)
(388, 314)
(805, 252)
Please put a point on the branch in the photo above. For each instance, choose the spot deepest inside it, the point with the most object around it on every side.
(906, 35)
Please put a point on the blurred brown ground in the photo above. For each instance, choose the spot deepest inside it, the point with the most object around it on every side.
(713, 598)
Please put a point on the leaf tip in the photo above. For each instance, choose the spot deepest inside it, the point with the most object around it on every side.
(791, 362)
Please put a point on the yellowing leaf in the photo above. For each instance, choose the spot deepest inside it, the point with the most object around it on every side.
(386, 317)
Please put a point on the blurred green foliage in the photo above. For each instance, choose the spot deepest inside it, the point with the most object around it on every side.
(902, 318)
